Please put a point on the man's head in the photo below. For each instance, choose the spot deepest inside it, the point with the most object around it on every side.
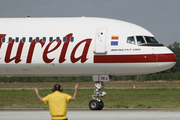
(57, 87)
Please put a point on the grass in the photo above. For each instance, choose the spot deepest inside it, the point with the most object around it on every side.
(120, 98)
(144, 98)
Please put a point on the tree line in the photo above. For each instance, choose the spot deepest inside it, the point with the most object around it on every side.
(168, 75)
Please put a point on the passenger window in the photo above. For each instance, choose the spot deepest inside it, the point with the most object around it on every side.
(44, 39)
(37, 39)
(51, 39)
(17, 39)
(10, 39)
(72, 39)
(57, 39)
(3, 39)
(131, 40)
(140, 39)
(151, 40)
(30, 39)
(64, 39)
(23, 39)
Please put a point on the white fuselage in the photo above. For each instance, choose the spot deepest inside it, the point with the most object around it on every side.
(87, 46)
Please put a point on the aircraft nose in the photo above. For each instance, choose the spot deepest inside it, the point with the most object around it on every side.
(166, 61)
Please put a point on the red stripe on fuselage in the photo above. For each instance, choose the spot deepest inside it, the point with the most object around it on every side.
(143, 58)
(166, 58)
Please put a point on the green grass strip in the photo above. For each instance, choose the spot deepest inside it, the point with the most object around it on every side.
(127, 98)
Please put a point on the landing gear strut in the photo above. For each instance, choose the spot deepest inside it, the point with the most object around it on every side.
(96, 103)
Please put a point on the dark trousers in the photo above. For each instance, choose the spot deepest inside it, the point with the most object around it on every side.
(62, 119)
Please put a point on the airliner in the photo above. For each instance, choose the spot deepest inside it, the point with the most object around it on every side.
(82, 46)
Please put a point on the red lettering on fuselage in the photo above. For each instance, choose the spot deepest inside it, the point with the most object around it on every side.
(18, 53)
(31, 50)
(45, 58)
(64, 49)
(17, 58)
(84, 52)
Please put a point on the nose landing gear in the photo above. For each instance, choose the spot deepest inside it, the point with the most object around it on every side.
(96, 103)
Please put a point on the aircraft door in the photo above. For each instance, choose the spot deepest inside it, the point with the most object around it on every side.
(100, 41)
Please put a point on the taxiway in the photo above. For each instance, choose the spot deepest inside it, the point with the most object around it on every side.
(86, 114)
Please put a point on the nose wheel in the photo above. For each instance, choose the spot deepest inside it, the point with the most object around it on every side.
(96, 103)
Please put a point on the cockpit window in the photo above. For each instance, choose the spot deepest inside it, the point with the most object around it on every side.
(140, 39)
(150, 39)
(131, 40)
(143, 41)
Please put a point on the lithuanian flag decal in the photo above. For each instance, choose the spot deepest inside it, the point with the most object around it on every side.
(115, 37)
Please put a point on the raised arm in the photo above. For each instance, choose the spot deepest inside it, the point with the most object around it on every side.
(75, 93)
(40, 98)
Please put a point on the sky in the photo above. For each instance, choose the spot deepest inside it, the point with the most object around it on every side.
(160, 17)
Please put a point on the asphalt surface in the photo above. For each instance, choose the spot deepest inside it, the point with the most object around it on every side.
(86, 114)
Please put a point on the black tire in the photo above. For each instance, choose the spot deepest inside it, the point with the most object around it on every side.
(101, 105)
(94, 105)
